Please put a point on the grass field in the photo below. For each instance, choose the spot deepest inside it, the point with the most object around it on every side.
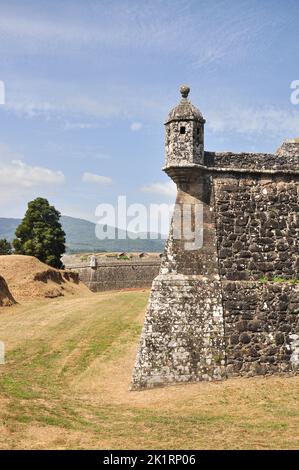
(66, 383)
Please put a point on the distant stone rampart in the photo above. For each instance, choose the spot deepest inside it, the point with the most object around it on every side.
(118, 274)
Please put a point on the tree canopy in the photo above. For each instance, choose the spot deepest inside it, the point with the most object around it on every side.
(40, 233)
(5, 247)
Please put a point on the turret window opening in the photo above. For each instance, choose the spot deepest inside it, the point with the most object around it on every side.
(182, 130)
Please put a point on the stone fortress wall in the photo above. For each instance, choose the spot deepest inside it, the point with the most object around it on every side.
(114, 274)
(257, 232)
(231, 307)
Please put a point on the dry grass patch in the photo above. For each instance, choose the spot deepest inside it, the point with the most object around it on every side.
(67, 377)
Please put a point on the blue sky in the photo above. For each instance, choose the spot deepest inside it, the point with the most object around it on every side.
(89, 84)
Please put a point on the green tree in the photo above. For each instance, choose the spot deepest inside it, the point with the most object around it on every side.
(5, 247)
(40, 233)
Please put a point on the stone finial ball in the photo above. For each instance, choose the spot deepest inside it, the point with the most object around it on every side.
(184, 89)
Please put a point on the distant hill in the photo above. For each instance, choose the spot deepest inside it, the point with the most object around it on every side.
(80, 237)
(8, 227)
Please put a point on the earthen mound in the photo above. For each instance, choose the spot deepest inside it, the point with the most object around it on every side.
(6, 299)
(27, 277)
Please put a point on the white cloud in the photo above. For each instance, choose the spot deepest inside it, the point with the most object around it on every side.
(76, 111)
(2, 92)
(96, 107)
(167, 189)
(14, 172)
(100, 156)
(94, 178)
(77, 108)
(172, 26)
(87, 154)
(30, 108)
(136, 126)
(120, 24)
(254, 120)
(80, 125)
(64, 100)
(177, 28)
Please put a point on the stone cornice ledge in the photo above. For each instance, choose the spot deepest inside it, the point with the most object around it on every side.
(232, 169)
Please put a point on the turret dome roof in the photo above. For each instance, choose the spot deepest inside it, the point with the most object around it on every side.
(184, 110)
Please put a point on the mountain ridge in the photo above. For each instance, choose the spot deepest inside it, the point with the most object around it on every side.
(81, 237)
